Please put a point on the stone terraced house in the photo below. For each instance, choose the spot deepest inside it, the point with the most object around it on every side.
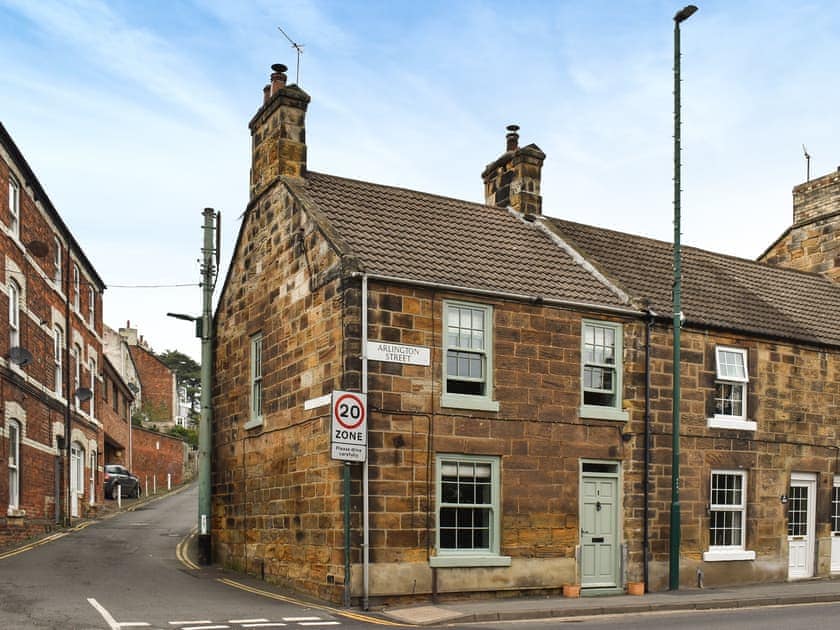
(518, 375)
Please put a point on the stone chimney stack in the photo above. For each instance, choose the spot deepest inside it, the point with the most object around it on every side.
(816, 198)
(812, 243)
(513, 180)
(278, 132)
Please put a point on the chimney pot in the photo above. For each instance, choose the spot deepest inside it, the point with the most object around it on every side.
(512, 138)
(278, 77)
(266, 94)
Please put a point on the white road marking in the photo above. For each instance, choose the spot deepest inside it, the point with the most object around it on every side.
(188, 623)
(246, 620)
(133, 624)
(270, 624)
(320, 623)
(204, 627)
(301, 619)
(112, 623)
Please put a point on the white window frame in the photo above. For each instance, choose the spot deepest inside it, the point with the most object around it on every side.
(14, 206)
(58, 276)
(723, 553)
(91, 306)
(76, 288)
(14, 313)
(77, 373)
(92, 367)
(255, 397)
(481, 402)
(58, 358)
(604, 412)
(726, 421)
(485, 557)
(93, 466)
(14, 429)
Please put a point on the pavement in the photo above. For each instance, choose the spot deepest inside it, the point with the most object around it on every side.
(817, 590)
(748, 596)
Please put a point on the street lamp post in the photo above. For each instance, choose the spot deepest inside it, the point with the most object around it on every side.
(204, 329)
(674, 552)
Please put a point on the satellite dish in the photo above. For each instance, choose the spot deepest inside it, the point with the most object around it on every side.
(37, 248)
(133, 387)
(84, 394)
(20, 356)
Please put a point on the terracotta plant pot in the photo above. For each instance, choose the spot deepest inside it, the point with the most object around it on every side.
(571, 590)
(635, 588)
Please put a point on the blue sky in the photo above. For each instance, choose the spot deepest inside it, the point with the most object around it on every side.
(134, 115)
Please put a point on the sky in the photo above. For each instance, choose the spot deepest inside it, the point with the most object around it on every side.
(134, 116)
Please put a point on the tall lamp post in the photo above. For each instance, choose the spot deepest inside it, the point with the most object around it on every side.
(204, 329)
(674, 552)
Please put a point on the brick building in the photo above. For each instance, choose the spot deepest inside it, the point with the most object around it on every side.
(50, 360)
(519, 390)
(115, 412)
(157, 395)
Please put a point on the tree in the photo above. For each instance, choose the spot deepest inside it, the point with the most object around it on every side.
(187, 373)
(189, 435)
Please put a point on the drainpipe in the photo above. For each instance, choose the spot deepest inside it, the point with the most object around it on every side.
(646, 480)
(365, 477)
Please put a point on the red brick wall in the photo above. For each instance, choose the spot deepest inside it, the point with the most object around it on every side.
(42, 306)
(158, 382)
(154, 456)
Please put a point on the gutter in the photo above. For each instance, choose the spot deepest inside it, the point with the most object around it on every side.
(523, 297)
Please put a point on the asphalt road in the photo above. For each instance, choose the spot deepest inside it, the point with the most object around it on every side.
(122, 572)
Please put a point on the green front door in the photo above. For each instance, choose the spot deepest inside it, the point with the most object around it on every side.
(599, 540)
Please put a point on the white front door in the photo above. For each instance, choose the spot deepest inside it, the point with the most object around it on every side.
(835, 525)
(77, 477)
(599, 540)
(801, 529)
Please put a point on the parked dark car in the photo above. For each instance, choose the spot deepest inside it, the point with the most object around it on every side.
(117, 476)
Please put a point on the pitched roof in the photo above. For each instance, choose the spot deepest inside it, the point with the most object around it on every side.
(717, 290)
(414, 236)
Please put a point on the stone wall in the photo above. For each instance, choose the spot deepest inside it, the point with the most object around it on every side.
(812, 243)
(276, 506)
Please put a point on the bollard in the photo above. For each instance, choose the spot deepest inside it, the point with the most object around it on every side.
(154, 484)
(168, 482)
(119, 495)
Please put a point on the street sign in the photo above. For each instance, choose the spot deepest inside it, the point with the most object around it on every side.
(398, 353)
(348, 427)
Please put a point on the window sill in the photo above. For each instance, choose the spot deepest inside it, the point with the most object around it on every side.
(253, 423)
(604, 413)
(728, 555)
(15, 513)
(464, 401)
(724, 422)
(455, 561)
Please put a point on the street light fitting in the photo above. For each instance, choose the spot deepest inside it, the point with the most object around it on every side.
(685, 13)
(189, 318)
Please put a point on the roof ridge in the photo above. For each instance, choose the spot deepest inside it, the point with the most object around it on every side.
(402, 189)
(700, 250)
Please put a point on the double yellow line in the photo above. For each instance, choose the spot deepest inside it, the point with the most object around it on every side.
(181, 554)
(329, 609)
(37, 543)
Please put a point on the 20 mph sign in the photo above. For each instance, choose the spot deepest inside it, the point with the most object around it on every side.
(348, 429)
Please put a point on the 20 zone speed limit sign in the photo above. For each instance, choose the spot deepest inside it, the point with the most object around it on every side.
(348, 428)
